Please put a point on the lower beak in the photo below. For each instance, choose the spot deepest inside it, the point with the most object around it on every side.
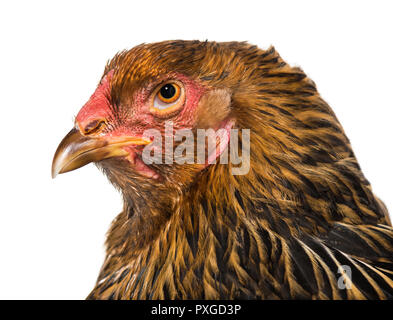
(76, 150)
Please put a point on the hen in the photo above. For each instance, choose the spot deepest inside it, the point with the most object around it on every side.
(300, 223)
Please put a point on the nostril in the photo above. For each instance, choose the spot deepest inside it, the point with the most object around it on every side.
(94, 126)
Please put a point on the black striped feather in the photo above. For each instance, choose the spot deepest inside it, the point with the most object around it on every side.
(367, 251)
(285, 230)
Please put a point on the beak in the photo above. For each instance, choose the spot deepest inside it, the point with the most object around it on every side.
(77, 150)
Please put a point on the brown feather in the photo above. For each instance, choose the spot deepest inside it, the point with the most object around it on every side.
(279, 232)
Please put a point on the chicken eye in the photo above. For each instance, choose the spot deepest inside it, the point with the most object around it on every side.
(168, 98)
(168, 93)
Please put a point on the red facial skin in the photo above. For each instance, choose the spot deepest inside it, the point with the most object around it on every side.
(139, 118)
(97, 107)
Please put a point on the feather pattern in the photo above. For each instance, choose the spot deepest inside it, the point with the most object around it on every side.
(282, 231)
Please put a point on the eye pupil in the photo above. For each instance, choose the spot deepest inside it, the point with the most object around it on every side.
(168, 91)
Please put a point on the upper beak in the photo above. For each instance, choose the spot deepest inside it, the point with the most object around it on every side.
(77, 150)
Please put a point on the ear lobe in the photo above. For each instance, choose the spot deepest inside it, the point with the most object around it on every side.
(213, 108)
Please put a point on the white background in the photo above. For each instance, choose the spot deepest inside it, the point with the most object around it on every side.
(52, 55)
